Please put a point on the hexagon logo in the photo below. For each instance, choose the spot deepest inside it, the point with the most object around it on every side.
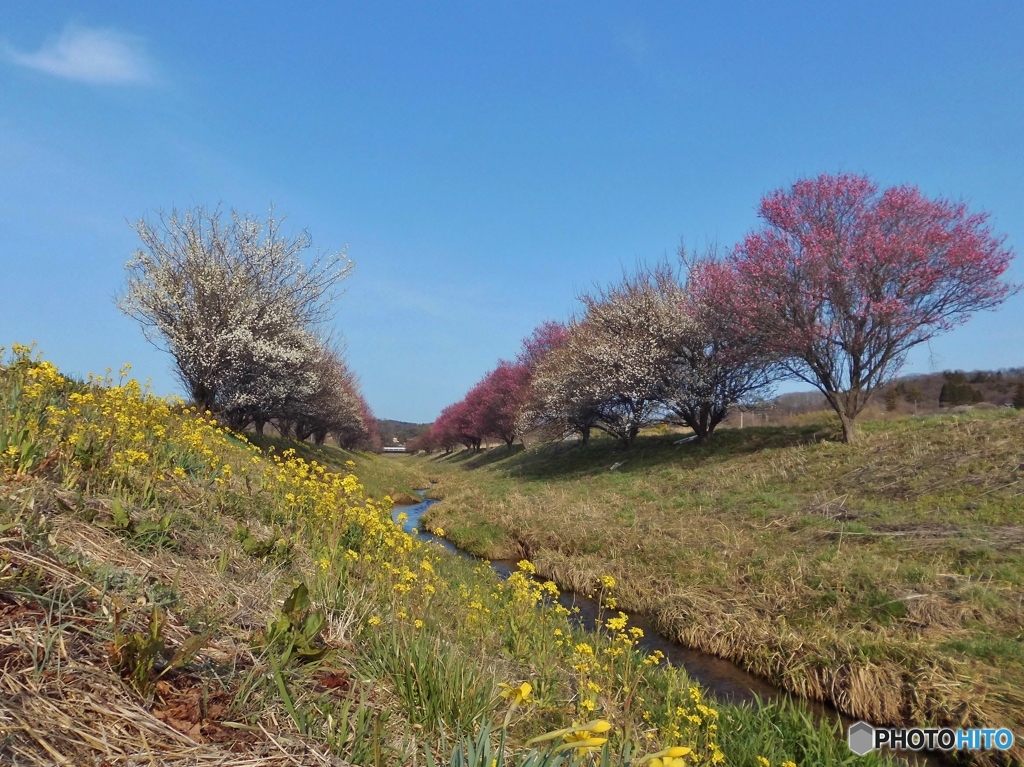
(861, 738)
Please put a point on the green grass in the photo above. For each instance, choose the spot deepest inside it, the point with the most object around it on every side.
(884, 575)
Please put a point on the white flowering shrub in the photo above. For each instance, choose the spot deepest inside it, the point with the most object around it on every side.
(713, 368)
(239, 308)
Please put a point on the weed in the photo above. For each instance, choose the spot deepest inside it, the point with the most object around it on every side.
(293, 635)
(274, 547)
(142, 658)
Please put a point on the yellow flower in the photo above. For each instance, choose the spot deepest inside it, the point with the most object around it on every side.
(788, 764)
(763, 762)
(594, 727)
(608, 581)
(583, 742)
(374, 621)
(617, 624)
(518, 694)
(439, 532)
(418, 623)
(670, 757)
(585, 738)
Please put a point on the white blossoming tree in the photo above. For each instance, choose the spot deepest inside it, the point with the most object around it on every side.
(238, 307)
(610, 371)
(334, 406)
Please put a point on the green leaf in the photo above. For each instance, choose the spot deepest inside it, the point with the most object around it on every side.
(187, 650)
(122, 520)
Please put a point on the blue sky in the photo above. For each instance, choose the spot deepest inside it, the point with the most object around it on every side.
(484, 162)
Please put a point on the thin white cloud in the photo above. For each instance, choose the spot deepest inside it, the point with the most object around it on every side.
(95, 56)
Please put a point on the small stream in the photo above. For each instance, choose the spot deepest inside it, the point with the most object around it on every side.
(723, 679)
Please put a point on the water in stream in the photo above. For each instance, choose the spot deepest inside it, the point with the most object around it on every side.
(723, 679)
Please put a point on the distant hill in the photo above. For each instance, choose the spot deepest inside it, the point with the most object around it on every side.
(403, 430)
(925, 393)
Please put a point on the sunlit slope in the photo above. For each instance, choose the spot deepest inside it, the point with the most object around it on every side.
(169, 590)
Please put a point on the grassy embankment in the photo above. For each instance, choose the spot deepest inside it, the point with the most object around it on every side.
(170, 594)
(886, 576)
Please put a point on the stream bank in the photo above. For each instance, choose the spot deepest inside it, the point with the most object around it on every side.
(723, 679)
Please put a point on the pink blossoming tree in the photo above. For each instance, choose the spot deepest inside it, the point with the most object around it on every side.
(843, 280)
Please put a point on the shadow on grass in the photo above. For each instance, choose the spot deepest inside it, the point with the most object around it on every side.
(325, 454)
(568, 460)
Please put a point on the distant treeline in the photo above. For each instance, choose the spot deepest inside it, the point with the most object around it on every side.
(921, 393)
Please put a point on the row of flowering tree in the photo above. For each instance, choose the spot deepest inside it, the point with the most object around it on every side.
(834, 288)
(243, 314)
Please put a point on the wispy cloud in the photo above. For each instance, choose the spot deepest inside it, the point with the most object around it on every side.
(95, 56)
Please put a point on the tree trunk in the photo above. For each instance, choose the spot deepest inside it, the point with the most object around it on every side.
(630, 436)
(849, 427)
(700, 426)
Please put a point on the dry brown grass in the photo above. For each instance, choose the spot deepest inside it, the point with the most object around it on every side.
(63, 703)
